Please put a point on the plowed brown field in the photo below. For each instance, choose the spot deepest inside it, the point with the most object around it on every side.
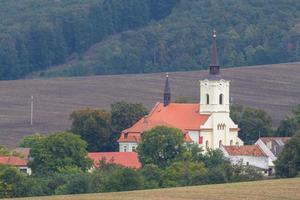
(274, 88)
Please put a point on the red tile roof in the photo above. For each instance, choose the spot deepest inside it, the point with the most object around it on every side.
(126, 159)
(246, 150)
(179, 115)
(13, 161)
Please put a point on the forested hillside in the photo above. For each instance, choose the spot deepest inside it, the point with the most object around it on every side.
(35, 35)
(77, 37)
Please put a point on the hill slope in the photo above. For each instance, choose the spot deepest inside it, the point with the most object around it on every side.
(274, 88)
(38, 34)
(249, 33)
(77, 37)
(259, 190)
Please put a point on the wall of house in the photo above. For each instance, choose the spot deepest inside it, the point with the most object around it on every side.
(127, 146)
(26, 170)
(260, 162)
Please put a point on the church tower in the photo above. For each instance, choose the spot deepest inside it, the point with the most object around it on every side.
(167, 92)
(214, 91)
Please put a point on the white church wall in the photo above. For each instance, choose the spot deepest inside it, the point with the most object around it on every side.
(194, 135)
(127, 146)
(214, 88)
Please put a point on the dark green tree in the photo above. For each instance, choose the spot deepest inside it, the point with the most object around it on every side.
(125, 114)
(252, 123)
(94, 126)
(57, 152)
(288, 162)
(161, 146)
(288, 127)
(10, 180)
(30, 141)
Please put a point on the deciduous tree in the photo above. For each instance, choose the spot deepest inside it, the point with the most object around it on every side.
(57, 152)
(94, 126)
(161, 146)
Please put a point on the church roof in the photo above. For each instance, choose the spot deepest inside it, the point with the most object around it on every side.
(246, 150)
(126, 159)
(184, 116)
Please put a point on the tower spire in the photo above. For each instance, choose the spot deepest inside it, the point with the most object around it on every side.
(167, 91)
(214, 68)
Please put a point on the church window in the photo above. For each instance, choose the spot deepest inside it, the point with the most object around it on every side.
(221, 99)
(220, 143)
(125, 148)
(207, 98)
(126, 135)
(231, 142)
(206, 144)
(133, 148)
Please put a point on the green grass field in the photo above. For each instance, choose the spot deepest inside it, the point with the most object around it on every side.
(280, 189)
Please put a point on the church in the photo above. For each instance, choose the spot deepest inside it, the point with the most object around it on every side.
(206, 123)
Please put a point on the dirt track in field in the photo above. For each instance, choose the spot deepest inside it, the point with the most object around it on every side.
(274, 88)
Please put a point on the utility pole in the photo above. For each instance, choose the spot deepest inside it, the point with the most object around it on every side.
(31, 112)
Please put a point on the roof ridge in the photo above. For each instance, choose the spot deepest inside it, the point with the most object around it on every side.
(153, 109)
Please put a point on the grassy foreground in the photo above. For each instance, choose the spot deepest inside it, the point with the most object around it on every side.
(281, 189)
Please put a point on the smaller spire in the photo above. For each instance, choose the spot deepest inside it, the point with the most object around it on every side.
(214, 68)
(167, 91)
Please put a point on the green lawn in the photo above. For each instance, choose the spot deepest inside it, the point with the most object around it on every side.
(280, 189)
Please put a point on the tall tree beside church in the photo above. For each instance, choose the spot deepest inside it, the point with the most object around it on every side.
(125, 114)
(288, 162)
(252, 123)
(94, 126)
(290, 125)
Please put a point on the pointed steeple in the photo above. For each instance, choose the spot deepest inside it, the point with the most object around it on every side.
(167, 91)
(214, 68)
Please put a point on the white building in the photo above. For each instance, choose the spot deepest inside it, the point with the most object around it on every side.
(207, 123)
(17, 162)
(249, 155)
(272, 147)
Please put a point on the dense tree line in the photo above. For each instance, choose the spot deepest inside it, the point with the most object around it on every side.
(249, 33)
(36, 35)
(60, 166)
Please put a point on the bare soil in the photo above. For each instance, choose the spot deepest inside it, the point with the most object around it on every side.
(274, 88)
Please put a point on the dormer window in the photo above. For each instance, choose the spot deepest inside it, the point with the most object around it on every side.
(221, 99)
(126, 135)
(207, 99)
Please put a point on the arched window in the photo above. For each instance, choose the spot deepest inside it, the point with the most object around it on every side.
(206, 144)
(220, 143)
(221, 99)
(207, 98)
(231, 142)
(223, 126)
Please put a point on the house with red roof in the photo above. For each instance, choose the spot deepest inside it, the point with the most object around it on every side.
(125, 159)
(249, 155)
(206, 123)
(261, 155)
(20, 163)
